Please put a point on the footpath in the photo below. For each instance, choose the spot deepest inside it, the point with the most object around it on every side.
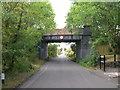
(111, 74)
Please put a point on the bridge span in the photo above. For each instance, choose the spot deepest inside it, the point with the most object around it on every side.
(81, 40)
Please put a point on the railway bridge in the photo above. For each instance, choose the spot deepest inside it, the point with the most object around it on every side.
(81, 38)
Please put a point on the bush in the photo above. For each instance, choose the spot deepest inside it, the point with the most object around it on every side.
(59, 52)
(90, 60)
(52, 51)
(69, 53)
(22, 65)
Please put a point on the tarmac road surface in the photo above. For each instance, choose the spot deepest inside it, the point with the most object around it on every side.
(60, 72)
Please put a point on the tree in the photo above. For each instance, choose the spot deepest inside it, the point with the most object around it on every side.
(103, 19)
(22, 29)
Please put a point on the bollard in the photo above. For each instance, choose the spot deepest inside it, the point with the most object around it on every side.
(100, 61)
(3, 77)
(104, 63)
(114, 61)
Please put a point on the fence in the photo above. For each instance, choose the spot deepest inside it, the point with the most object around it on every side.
(109, 63)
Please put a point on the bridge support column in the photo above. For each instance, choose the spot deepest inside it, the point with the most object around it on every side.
(85, 46)
(43, 51)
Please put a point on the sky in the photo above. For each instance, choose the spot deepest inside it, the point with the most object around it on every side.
(61, 8)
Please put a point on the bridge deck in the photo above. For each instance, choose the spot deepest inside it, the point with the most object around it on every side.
(60, 38)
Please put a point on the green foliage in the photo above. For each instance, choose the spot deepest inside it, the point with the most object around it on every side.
(89, 61)
(73, 47)
(52, 50)
(59, 52)
(22, 65)
(101, 16)
(22, 29)
(69, 53)
(104, 49)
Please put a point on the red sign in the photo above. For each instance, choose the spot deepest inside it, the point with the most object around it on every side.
(61, 37)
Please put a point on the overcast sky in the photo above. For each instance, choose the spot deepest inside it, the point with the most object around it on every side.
(61, 8)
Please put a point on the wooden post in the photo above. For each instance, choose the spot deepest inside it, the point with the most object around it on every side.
(104, 63)
(100, 61)
(114, 61)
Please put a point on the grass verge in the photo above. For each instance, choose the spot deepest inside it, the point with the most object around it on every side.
(90, 67)
(14, 79)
